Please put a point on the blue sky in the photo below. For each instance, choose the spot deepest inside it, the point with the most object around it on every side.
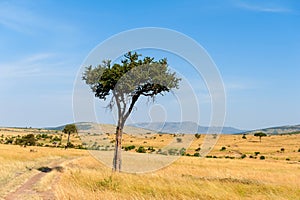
(255, 45)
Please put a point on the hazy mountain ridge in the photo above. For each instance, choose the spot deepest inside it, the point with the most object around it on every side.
(278, 130)
(185, 127)
(180, 127)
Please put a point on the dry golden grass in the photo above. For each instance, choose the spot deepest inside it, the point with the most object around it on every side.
(18, 163)
(187, 178)
(196, 178)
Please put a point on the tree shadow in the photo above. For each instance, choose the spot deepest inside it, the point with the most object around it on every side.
(49, 169)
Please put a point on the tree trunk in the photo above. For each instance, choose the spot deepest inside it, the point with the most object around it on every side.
(117, 162)
(68, 141)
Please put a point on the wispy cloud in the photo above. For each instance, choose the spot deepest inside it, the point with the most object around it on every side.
(26, 20)
(259, 6)
(41, 64)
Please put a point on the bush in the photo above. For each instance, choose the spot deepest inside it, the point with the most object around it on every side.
(151, 149)
(173, 152)
(182, 151)
(299, 150)
(243, 156)
(262, 157)
(197, 135)
(223, 149)
(197, 154)
(141, 149)
(179, 140)
(287, 159)
(256, 153)
(70, 145)
(244, 136)
(198, 149)
(128, 148)
(282, 149)
(28, 140)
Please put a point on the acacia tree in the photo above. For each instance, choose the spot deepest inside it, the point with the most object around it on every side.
(260, 134)
(69, 128)
(124, 83)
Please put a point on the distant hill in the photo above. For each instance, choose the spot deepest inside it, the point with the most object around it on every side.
(184, 127)
(176, 127)
(278, 130)
(90, 127)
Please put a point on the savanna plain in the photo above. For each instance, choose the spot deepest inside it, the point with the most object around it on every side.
(238, 167)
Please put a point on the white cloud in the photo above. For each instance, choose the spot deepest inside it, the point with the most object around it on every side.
(19, 17)
(260, 7)
(41, 64)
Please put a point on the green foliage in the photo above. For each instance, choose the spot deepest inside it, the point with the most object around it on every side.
(141, 149)
(128, 148)
(197, 154)
(70, 145)
(256, 153)
(133, 77)
(28, 140)
(9, 140)
(179, 140)
(262, 157)
(243, 156)
(260, 135)
(151, 149)
(198, 149)
(173, 151)
(70, 128)
(182, 151)
(197, 135)
(223, 149)
(244, 136)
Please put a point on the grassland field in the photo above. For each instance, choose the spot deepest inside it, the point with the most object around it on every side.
(234, 169)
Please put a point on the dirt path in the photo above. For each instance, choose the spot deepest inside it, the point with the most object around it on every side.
(27, 191)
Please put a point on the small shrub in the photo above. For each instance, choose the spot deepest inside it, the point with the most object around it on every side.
(208, 156)
(151, 149)
(179, 140)
(251, 156)
(198, 149)
(182, 151)
(244, 136)
(282, 149)
(197, 135)
(223, 149)
(287, 159)
(299, 150)
(197, 154)
(70, 145)
(243, 156)
(256, 153)
(141, 149)
(128, 148)
(262, 157)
